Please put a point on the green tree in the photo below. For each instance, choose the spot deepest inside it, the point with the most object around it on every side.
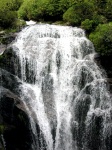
(87, 25)
(78, 12)
(45, 10)
(99, 6)
(53, 12)
(8, 13)
(102, 39)
(27, 10)
(108, 10)
(66, 4)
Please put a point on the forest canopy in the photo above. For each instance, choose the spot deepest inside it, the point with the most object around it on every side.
(91, 15)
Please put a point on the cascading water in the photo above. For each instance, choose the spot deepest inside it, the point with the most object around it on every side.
(64, 91)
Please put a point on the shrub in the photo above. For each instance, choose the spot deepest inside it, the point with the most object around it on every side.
(7, 18)
(64, 5)
(27, 10)
(87, 25)
(78, 12)
(8, 12)
(108, 10)
(71, 17)
(99, 19)
(45, 10)
(102, 39)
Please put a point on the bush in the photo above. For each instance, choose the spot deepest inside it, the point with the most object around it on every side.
(108, 10)
(64, 5)
(34, 10)
(7, 18)
(53, 11)
(13, 4)
(90, 25)
(87, 25)
(71, 17)
(27, 10)
(79, 12)
(102, 39)
(8, 12)
(99, 19)
(45, 10)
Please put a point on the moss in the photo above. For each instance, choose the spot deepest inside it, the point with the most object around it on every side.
(2, 128)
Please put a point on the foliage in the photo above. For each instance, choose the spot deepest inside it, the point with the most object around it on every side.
(71, 17)
(53, 12)
(64, 5)
(87, 25)
(8, 12)
(27, 9)
(44, 10)
(99, 19)
(7, 18)
(102, 39)
(19, 24)
(90, 25)
(32, 9)
(12, 5)
(99, 5)
(108, 10)
(79, 12)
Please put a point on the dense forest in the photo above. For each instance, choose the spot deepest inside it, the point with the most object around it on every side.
(95, 16)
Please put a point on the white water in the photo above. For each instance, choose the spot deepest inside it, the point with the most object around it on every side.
(3, 141)
(63, 88)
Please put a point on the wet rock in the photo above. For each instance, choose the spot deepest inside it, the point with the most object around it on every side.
(2, 48)
(7, 38)
(105, 62)
(10, 62)
(14, 118)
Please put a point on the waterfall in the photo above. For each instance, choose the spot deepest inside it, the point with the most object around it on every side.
(3, 141)
(63, 89)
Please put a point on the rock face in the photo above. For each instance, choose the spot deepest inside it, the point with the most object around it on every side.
(15, 121)
(15, 130)
(105, 62)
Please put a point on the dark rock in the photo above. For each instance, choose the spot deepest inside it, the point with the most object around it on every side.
(9, 81)
(14, 118)
(105, 62)
(10, 62)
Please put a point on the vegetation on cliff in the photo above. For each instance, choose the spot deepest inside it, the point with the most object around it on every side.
(94, 16)
(102, 38)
